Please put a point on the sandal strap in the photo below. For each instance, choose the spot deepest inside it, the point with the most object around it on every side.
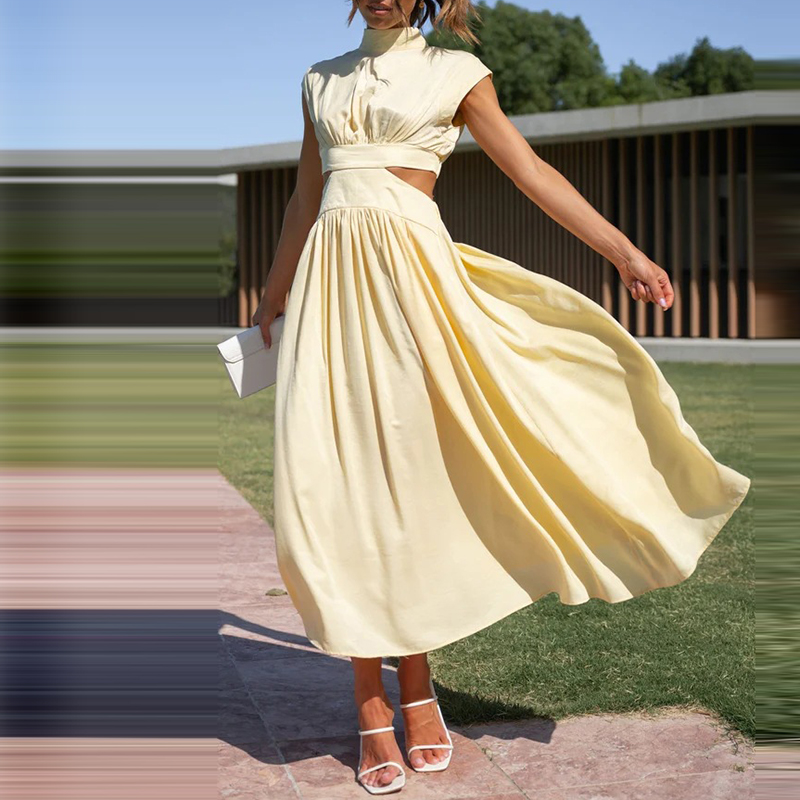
(377, 730)
(430, 747)
(418, 702)
(380, 766)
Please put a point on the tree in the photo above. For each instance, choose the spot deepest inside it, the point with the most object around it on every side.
(545, 62)
(636, 85)
(707, 70)
(541, 61)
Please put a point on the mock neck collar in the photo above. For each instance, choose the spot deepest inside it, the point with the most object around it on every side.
(380, 40)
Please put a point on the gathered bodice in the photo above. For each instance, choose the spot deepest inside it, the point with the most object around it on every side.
(389, 102)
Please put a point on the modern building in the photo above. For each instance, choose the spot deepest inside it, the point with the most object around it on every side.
(706, 186)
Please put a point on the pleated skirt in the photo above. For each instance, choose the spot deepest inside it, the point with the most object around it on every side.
(457, 436)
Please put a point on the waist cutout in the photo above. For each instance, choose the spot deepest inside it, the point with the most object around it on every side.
(370, 154)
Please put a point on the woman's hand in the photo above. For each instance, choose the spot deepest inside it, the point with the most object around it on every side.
(646, 281)
(266, 312)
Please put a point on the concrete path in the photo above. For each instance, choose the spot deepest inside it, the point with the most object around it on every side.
(289, 720)
(123, 591)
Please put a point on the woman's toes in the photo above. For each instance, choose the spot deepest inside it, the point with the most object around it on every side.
(421, 757)
(435, 755)
(388, 774)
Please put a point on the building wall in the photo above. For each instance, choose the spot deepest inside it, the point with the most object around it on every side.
(776, 221)
(262, 197)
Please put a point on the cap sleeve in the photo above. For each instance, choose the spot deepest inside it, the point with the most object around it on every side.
(305, 85)
(462, 77)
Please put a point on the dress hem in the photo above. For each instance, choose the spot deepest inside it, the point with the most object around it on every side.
(713, 531)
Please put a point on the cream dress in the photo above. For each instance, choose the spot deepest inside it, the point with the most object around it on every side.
(455, 435)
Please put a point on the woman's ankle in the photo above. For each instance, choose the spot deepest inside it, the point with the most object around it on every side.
(415, 667)
(367, 691)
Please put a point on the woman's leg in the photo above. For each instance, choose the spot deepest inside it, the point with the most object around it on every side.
(422, 722)
(375, 711)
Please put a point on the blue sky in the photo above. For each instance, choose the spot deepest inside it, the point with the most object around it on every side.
(175, 73)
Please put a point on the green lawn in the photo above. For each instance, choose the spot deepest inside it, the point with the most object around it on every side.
(777, 444)
(690, 646)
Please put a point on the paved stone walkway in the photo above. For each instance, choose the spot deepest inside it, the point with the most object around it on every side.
(142, 581)
(289, 720)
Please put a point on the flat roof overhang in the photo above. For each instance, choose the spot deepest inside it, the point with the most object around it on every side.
(760, 107)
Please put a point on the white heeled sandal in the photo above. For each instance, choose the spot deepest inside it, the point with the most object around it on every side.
(442, 765)
(398, 783)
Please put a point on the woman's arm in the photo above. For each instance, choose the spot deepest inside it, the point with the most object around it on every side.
(301, 211)
(557, 197)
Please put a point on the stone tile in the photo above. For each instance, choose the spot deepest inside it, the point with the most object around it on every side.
(245, 756)
(249, 593)
(503, 796)
(258, 547)
(234, 598)
(306, 715)
(714, 785)
(253, 771)
(308, 696)
(608, 750)
(238, 720)
(228, 677)
(235, 593)
(325, 769)
(294, 711)
(272, 629)
(321, 676)
(303, 698)
(248, 561)
(262, 572)
(255, 570)
(246, 567)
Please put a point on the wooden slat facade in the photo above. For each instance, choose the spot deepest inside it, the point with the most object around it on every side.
(686, 198)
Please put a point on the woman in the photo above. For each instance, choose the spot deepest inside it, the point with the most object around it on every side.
(446, 419)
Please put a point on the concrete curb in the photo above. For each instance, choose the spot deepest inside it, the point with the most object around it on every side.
(732, 351)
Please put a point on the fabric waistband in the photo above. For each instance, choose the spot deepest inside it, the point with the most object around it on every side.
(349, 156)
(377, 188)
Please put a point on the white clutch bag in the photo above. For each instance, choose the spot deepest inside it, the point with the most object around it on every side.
(251, 365)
